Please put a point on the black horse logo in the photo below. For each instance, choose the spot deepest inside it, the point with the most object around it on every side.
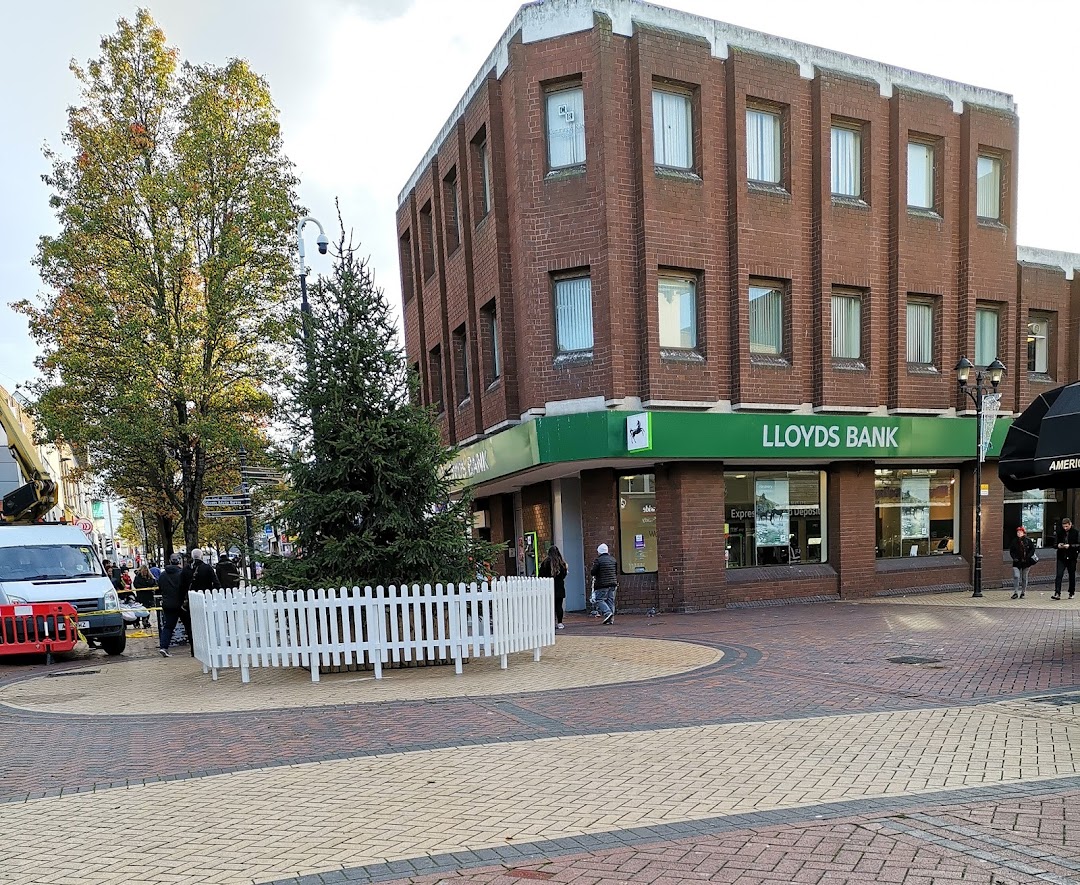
(636, 431)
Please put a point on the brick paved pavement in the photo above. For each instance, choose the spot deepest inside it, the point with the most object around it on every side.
(805, 715)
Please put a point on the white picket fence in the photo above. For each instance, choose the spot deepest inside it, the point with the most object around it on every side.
(376, 626)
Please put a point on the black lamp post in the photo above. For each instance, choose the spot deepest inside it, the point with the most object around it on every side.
(976, 392)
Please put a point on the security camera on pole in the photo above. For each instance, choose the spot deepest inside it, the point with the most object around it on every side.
(323, 243)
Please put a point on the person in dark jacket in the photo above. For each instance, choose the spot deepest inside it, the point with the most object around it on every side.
(203, 576)
(1022, 551)
(173, 604)
(1067, 542)
(144, 585)
(605, 573)
(228, 574)
(555, 567)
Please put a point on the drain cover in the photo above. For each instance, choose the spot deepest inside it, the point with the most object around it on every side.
(73, 673)
(913, 659)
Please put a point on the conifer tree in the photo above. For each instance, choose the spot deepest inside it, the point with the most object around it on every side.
(370, 498)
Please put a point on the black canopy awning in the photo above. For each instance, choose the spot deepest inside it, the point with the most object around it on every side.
(1042, 448)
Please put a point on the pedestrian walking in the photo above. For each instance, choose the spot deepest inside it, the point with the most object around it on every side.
(173, 604)
(605, 573)
(1067, 542)
(203, 576)
(228, 574)
(555, 567)
(1022, 551)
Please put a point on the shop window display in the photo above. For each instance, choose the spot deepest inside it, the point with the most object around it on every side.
(773, 518)
(637, 523)
(915, 512)
(1037, 510)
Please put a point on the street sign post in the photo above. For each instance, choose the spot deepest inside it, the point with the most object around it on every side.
(226, 514)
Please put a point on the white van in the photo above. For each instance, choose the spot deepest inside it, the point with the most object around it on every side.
(56, 563)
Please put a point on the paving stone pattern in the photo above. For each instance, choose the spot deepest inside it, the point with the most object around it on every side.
(802, 755)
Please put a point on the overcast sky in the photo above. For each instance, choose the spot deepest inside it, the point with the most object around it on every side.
(364, 86)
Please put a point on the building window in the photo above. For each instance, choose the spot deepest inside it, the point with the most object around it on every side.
(763, 146)
(766, 318)
(452, 211)
(986, 336)
(678, 312)
(916, 512)
(988, 199)
(482, 174)
(1037, 510)
(436, 377)
(414, 384)
(846, 161)
(773, 518)
(461, 364)
(920, 175)
(405, 257)
(489, 329)
(1038, 344)
(846, 325)
(573, 314)
(637, 523)
(427, 241)
(566, 127)
(920, 332)
(673, 130)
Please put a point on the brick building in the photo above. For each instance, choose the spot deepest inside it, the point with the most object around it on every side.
(697, 292)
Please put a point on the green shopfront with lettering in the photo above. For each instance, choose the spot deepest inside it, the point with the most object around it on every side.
(704, 509)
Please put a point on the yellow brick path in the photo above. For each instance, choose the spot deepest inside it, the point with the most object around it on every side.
(302, 819)
(177, 684)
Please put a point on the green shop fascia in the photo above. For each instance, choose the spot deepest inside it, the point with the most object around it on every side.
(653, 437)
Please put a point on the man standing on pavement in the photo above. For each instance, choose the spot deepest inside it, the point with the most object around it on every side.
(1067, 542)
(605, 578)
(173, 603)
(228, 574)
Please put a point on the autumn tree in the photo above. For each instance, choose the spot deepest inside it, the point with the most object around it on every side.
(161, 330)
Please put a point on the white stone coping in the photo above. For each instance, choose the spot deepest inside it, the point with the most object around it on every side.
(1067, 261)
(556, 18)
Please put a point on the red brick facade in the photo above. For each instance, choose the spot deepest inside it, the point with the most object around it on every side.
(625, 220)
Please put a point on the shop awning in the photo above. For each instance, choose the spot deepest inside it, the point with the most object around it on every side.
(1042, 448)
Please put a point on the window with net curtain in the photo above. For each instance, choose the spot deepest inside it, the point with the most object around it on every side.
(846, 161)
(988, 196)
(566, 127)
(1038, 350)
(920, 332)
(677, 304)
(573, 314)
(920, 175)
(847, 325)
(986, 336)
(763, 146)
(766, 318)
(673, 142)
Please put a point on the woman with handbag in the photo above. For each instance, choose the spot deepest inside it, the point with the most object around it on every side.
(1022, 551)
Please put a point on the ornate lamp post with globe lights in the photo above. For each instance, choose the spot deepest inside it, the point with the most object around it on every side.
(979, 392)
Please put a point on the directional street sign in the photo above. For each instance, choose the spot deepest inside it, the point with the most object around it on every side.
(227, 501)
(225, 514)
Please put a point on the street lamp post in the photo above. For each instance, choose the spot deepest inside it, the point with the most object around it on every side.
(323, 243)
(976, 392)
